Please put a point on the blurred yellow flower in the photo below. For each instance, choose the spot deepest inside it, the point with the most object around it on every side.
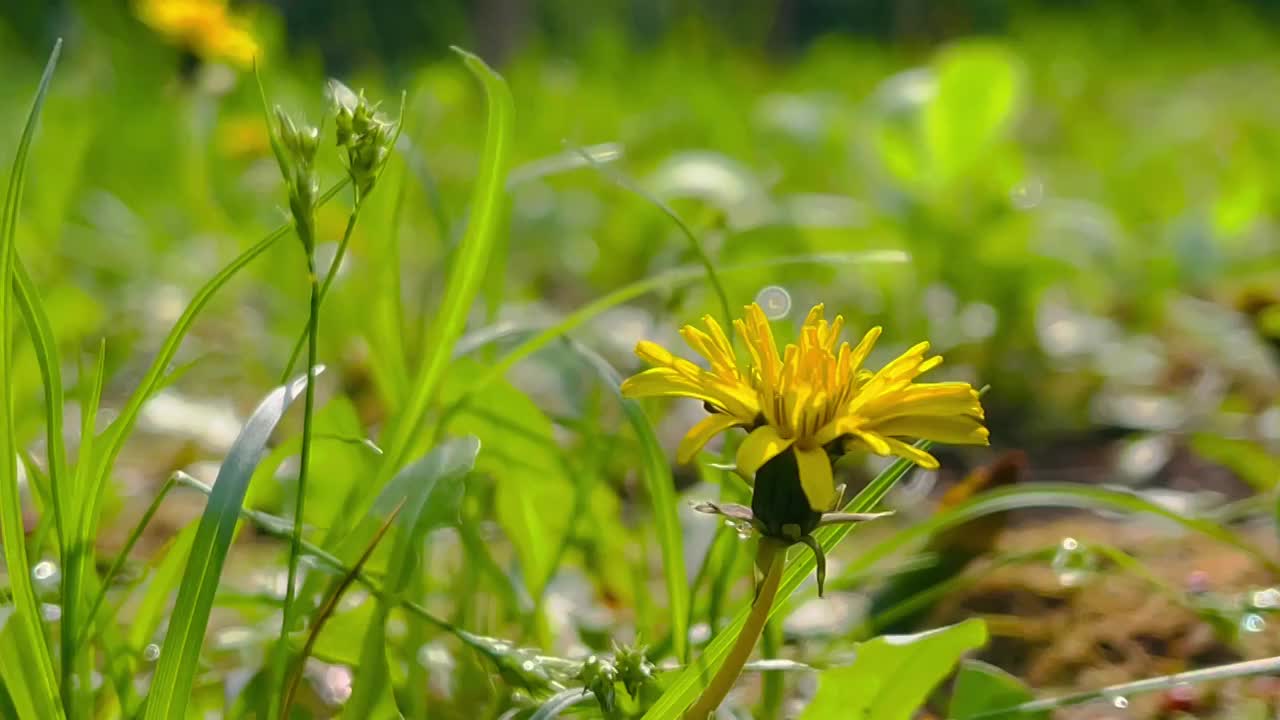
(815, 400)
(244, 137)
(206, 27)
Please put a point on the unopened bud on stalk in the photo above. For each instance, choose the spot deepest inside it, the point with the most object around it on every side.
(364, 133)
(599, 677)
(298, 146)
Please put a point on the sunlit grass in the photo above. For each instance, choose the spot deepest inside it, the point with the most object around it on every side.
(467, 518)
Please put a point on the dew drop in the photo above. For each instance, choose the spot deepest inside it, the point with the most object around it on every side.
(1253, 623)
(44, 570)
(1072, 563)
(1120, 702)
(528, 665)
(50, 612)
(775, 301)
(151, 652)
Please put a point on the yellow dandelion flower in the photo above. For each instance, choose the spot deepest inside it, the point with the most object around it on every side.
(206, 27)
(814, 399)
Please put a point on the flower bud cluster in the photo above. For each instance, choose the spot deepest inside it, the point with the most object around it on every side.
(297, 155)
(365, 134)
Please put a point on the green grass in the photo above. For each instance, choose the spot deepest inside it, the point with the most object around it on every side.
(467, 504)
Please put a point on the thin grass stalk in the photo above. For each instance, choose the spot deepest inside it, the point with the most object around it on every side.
(304, 463)
(326, 611)
(330, 274)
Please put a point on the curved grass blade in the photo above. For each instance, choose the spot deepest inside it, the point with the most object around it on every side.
(175, 674)
(1053, 495)
(45, 345)
(1230, 671)
(326, 609)
(708, 267)
(32, 682)
(488, 202)
(555, 705)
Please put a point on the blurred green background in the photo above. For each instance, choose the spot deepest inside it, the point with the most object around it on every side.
(1086, 194)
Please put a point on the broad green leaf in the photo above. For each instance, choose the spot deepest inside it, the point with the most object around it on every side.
(533, 488)
(892, 676)
(31, 682)
(981, 689)
(974, 100)
(175, 673)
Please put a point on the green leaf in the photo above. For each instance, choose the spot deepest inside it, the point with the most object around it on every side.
(175, 673)
(431, 490)
(981, 688)
(976, 95)
(893, 675)
(32, 681)
(1248, 459)
(532, 485)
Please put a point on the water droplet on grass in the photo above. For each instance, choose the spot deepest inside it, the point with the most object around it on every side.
(1073, 563)
(1254, 623)
(1120, 702)
(44, 570)
(151, 652)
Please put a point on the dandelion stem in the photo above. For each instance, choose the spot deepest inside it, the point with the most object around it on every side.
(770, 558)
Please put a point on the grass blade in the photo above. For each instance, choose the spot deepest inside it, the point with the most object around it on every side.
(175, 674)
(37, 688)
(488, 201)
(325, 611)
(36, 319)
(1229, 671)
(1053, 495)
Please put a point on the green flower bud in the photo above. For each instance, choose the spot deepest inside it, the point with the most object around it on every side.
(599, 677)
(633, 666)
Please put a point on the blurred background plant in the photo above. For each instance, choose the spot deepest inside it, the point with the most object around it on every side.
(1082, 199)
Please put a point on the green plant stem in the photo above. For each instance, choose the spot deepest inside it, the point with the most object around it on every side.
(304, 463)
(330, 274)
(770, 557)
